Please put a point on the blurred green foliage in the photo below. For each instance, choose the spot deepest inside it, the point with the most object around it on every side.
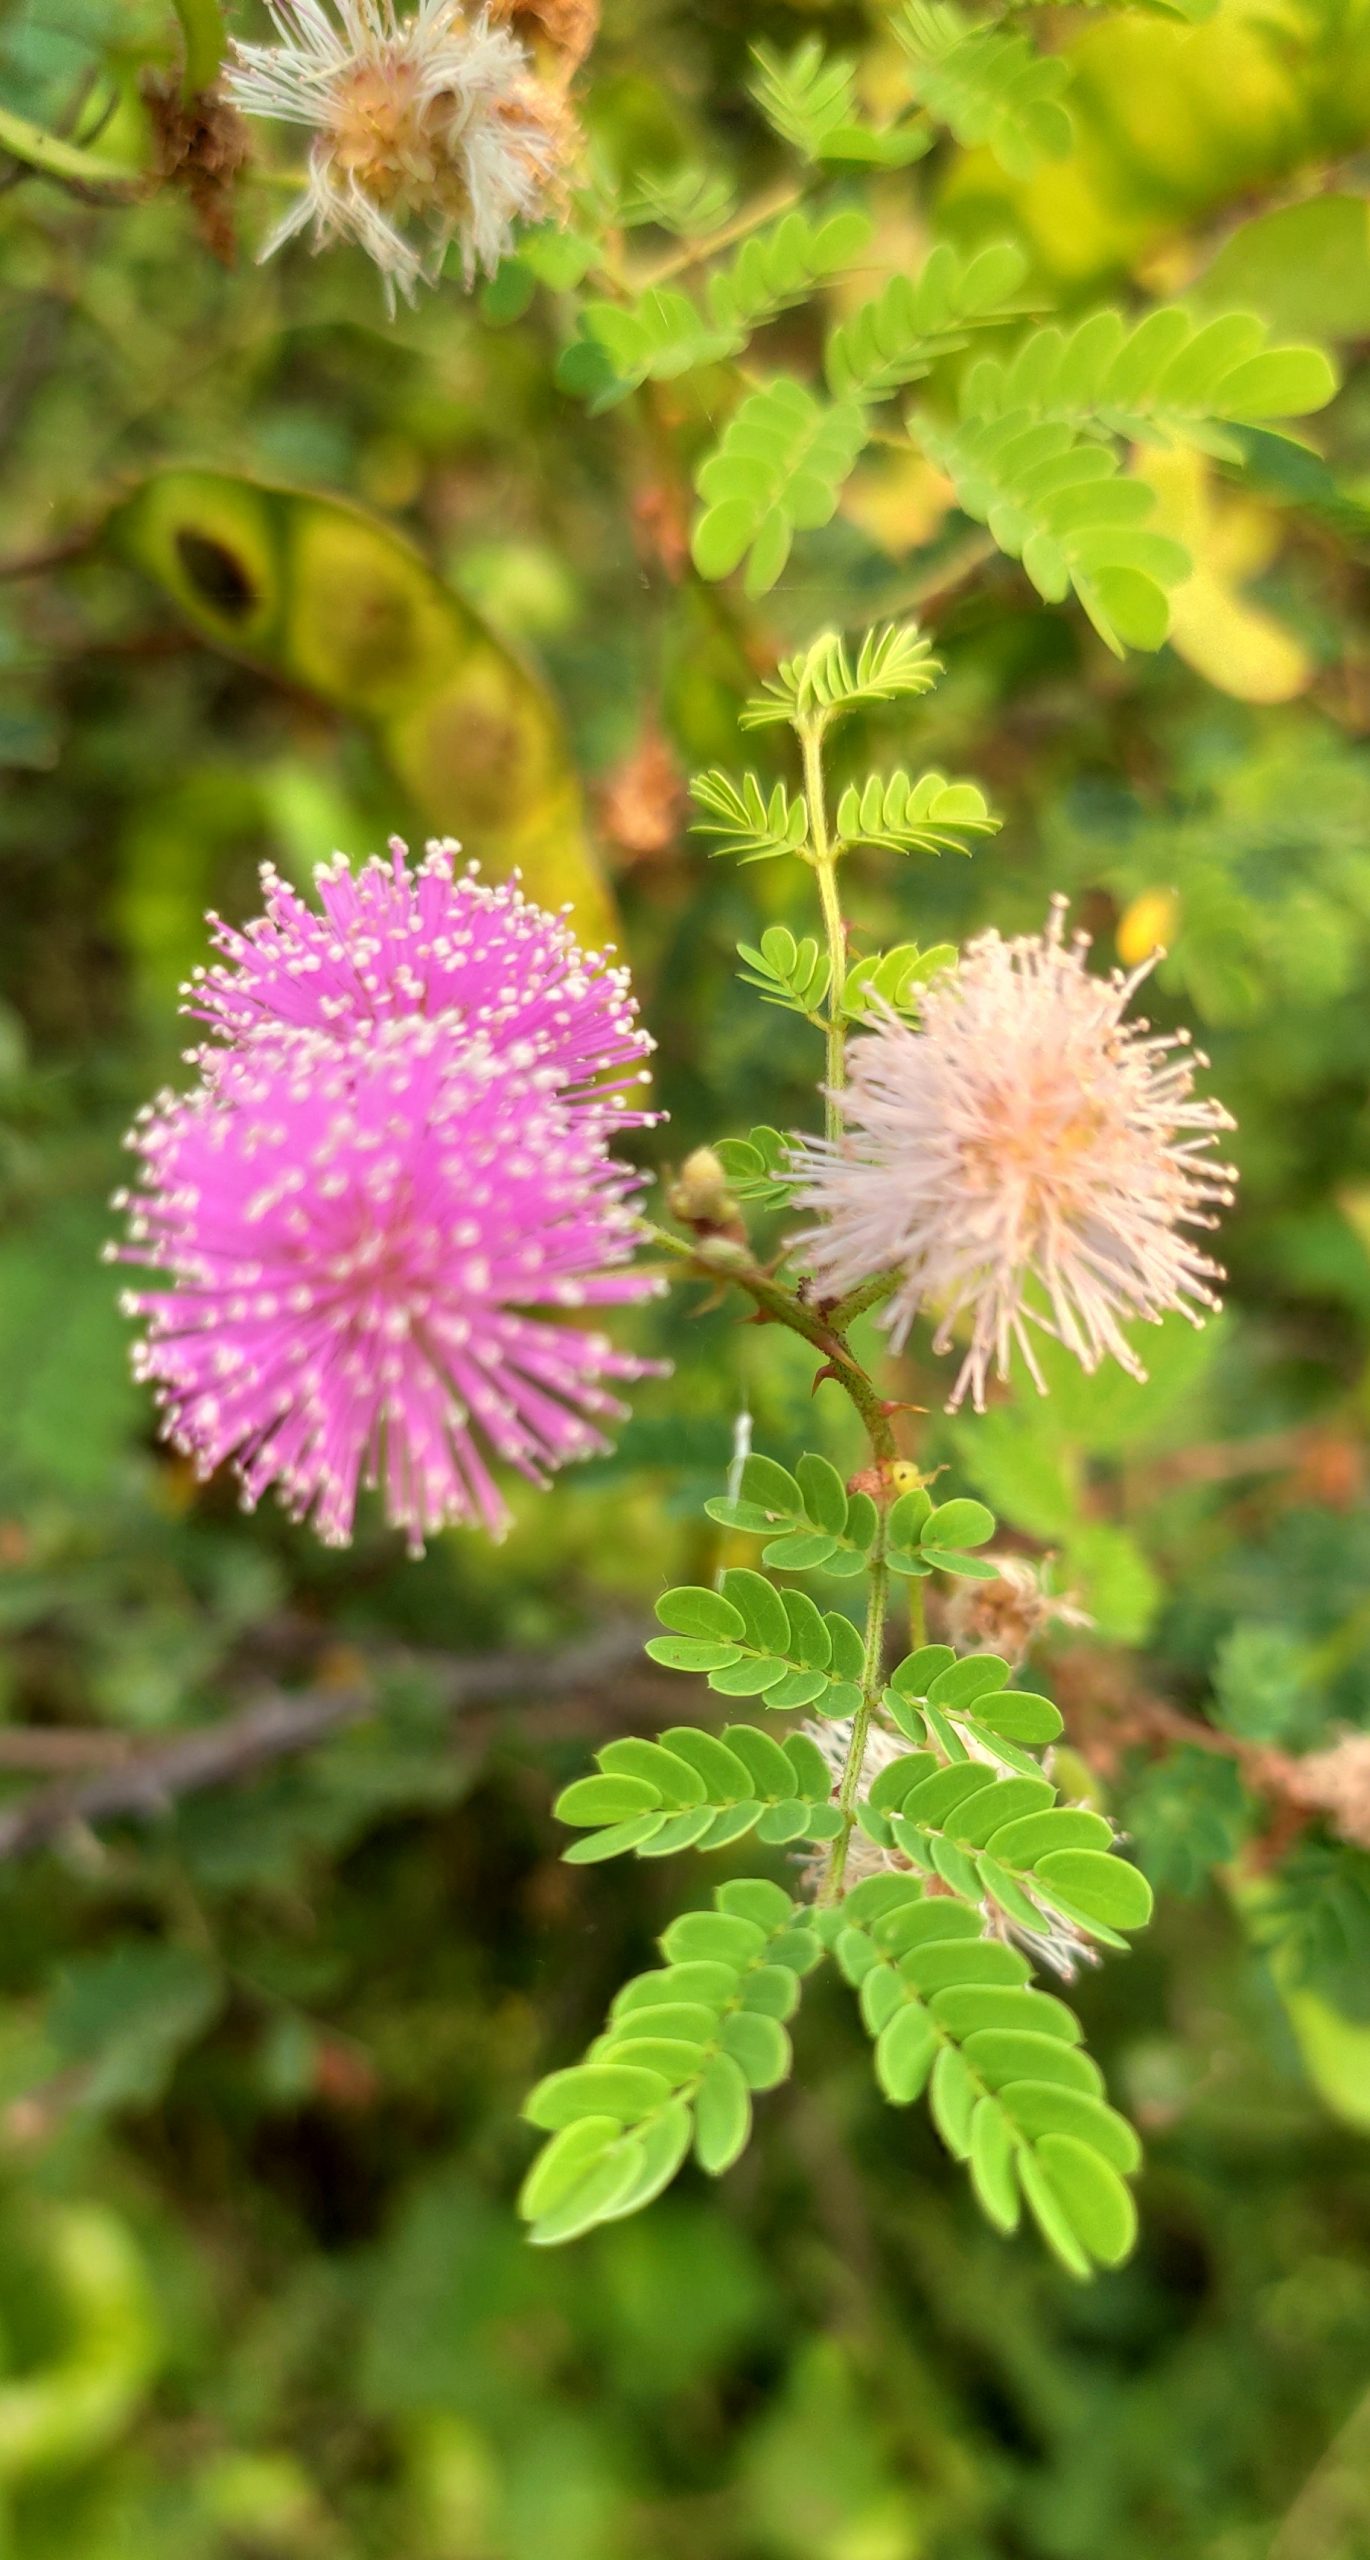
(262, 2296)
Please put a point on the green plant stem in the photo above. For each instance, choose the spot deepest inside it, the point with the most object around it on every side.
(202, 27)
(858, 1302)
(66, 161)
(824, 862)
(872, 1682)
(733, 1264)
(782, 1306)
(826, 1330)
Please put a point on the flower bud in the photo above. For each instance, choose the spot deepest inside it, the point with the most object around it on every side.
(699, 1195)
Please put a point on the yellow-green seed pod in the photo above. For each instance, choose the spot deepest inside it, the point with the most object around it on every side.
(324, 596)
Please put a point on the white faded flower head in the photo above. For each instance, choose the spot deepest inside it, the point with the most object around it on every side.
(1057, 1943)
(1025, 1158)
(428, 127)
(1006, 1616)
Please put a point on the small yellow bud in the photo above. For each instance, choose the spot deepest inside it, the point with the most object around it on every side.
(699, 1195)
(1147, 925)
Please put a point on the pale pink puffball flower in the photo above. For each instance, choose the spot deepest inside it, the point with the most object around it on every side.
(429, 126)
(375, 1246)
(1024, 1159)
(388, 942)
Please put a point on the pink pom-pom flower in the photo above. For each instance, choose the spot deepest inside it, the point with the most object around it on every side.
(373, 1245)
(390, 943)
(380, 1206)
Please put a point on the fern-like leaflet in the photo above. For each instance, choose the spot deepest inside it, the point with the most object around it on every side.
(779, 468)
(1162, 378)
(930, 815)
(1056, 500)
(785, 971)
(747, 824)
(900, 334)
(892, 662)
(985, 85)
(809, 99)
(685, 2048)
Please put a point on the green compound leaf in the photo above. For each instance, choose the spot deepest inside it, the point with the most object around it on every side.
(654, 339)
(810, 101)
(930, 815)
(1169, 377)
(808, 1519)
(779, 469)
(1056, 500)
(893, 981)
(746, 823)
(1002, 1841)
(893, 662)
(899, 335)
(684, 2048)
(985, 86)
(1009, 2089)
(782, 265)
(757, 1167)
(786, 972)
(744, 1781)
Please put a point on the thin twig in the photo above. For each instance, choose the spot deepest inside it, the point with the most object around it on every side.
(62, 1750)
(144, 1783)
(698, 252)
(35, 564)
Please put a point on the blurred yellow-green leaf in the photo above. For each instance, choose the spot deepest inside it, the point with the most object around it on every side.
(1238, 644)
(1305, 267)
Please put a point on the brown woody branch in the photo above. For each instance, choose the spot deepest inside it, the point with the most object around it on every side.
(142, 1783)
